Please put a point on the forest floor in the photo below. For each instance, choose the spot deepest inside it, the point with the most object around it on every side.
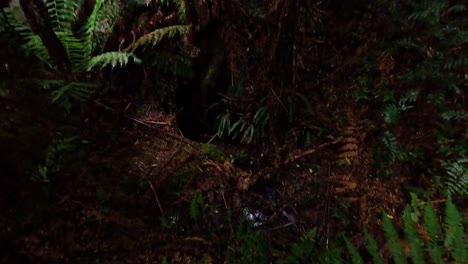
(145, 192)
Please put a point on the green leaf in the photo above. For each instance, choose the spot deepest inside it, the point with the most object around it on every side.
(373, 248)
(455, 239)
(355, 256)
(434, 231)
(394, 244)
(415, 242)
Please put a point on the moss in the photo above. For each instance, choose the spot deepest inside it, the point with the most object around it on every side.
(212, 152)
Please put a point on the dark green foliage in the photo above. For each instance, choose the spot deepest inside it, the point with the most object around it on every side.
(394, 244)
(355, 256)
(175, 64)
(455, 238)
(415, 242)
(84, 46)
(246, 128)
(372, 247)
(309, 250)
(153, 38)
(457, 176)
(196, 206)
(434, 231)
(430, 240)
(248, 246)
(60, 153)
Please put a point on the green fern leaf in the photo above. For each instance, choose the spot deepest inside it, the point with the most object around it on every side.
(395, 246)
(69, 92)
(153, 38)
(88, 30)
(372, 247)
(434, 231)
(114, 59)
(74, 48)
(330, 256)
(62, 13)
(455, 239)
(414, 240)
(35, 47)
(457, 172)
(355, 256)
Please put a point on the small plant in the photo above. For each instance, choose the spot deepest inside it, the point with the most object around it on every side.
(196, 206)
(57, 156)
(247, 128)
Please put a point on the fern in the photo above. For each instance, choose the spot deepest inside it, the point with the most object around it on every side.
(74, 48)
(306, 251)
(182, 8)
(394, 244)
(434, 231)
(69, 92)
(176, 64)
(9, 23)
(455, 238)
(113, 59)
(457, 172)
(34, 46)
(153, 38)
(62, 13)
(355, 256)
(372, 247)
(428, 12)
(414, 240)
(88, 30)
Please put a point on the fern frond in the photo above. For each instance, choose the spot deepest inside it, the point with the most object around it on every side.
(428, 12)
(456, 8)
(74, 48)
(176, 64)
(88, 30)
(62, 13)
(434, 231)
(457, 172)
(394, 244)
(68, 92)
(35, 47)
(113, 59)
(181, 8)
(455, 239)
(372, 247)
(10, 23)
(355, 256)
(153, 38)
(414, 240)
(330, 256)
(455, 115)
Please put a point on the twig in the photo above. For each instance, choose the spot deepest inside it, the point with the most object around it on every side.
(311, 151)
(155, 196)
(279, 100)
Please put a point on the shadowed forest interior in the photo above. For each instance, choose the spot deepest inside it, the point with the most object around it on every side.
(233, 131)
